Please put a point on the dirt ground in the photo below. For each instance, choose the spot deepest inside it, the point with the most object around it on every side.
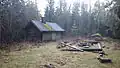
(38, 56)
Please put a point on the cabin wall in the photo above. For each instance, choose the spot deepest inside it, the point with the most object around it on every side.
(46, 36)
(58, 35)
(33, 33)
(51, 36)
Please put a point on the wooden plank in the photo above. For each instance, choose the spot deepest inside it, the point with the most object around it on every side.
(74, 47)
(96, 47)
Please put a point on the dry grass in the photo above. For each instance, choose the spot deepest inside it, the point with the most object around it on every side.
(48, 54)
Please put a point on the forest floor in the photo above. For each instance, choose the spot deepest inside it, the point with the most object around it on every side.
(32, 56)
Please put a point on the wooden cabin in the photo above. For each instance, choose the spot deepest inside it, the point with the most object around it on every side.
(37, 30)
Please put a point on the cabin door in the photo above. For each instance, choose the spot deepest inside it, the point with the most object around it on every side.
(53, 36)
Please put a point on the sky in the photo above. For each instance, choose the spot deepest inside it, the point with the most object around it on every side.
(43, 3)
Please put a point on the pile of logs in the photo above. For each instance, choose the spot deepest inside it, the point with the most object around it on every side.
(89, 45)
(81, 45)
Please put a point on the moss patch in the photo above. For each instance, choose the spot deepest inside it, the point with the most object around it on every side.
(48, 27)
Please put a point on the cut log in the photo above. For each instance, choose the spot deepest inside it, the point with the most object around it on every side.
(71, 50)
(104, 60)
(91, 49)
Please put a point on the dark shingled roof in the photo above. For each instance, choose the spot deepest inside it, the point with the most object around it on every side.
(39, 25)
(55, 26)
(42, 27)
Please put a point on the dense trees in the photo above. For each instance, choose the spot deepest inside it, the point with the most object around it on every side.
(82, 19)
(14, 15)
(49, 13)
(77, 18)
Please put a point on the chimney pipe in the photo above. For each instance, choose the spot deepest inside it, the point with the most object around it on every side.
(43, 19)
